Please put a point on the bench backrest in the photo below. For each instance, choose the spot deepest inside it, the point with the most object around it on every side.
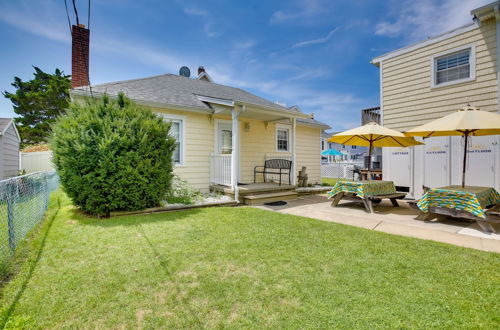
(278, 163)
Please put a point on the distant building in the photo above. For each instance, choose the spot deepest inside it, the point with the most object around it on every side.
(9, 148)
(352, 153)
(356, 154)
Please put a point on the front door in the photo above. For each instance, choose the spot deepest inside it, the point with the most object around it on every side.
(224, 139)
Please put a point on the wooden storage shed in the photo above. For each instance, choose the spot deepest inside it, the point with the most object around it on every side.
(9, 149)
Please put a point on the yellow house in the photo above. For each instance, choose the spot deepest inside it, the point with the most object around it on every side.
(223, 132)
(430, 79)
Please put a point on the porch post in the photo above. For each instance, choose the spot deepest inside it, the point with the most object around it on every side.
(234, 153)
(294, 159)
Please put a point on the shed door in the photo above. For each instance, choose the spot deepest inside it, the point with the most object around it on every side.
(436, 162)
(400, 166)
(480, 161)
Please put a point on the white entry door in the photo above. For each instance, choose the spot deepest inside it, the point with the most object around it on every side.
(436, 162)
(480, 161)
(400, 166)
(224, 138)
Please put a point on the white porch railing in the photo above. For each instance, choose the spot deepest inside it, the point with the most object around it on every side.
(220, 169)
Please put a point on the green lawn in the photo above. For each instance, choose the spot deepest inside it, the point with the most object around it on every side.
(329, 181)
(244, 268)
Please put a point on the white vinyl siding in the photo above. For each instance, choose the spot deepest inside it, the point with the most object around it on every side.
(9, 163)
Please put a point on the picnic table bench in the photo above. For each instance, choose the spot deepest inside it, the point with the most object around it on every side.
(368, 192)
(480, 204)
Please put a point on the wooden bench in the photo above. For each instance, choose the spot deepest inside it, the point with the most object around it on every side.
(276, 167)
(367, 201)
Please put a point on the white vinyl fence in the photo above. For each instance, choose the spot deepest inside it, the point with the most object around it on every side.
(339, 170)
(36, 161)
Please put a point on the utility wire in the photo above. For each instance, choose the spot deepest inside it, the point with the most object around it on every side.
(88, 17)
(67, 15)
(76, 13)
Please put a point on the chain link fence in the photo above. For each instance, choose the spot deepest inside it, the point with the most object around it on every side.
(23, 202)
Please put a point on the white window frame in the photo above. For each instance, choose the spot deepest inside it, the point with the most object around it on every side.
(182, 127)
(289, 144)
(472, 63)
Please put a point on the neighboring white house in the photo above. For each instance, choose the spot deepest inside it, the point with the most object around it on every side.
(351, 153)
(9, 148)
(430, 79)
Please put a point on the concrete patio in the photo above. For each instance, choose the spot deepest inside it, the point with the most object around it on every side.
(394, 220)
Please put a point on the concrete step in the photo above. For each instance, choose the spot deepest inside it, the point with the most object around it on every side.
(270, 197)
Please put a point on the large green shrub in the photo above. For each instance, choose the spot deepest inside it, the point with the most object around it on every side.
(112, 155)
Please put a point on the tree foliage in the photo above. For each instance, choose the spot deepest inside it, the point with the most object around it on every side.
(112, 155)
(38, 102)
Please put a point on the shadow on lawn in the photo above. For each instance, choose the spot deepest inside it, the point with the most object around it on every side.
(131, 220)
(32, 263)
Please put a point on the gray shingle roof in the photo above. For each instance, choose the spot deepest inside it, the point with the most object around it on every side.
(177, 90)
(3, 123)
(313, 122)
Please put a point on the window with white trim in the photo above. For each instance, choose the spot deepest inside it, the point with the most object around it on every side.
(177, 132)
(282, 139)
(452, 67)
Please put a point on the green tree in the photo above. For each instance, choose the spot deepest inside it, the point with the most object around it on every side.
(38, 102)
(112, 155)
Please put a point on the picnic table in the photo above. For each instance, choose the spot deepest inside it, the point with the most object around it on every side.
(367, 191)
(467, 202)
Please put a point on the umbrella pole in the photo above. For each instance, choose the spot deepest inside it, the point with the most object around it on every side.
(370, 160)
(466, 134)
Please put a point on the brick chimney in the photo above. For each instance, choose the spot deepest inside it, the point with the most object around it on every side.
(79, 56)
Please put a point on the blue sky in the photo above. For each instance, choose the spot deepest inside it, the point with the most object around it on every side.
(312, 53)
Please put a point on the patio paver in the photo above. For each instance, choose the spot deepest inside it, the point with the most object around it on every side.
(389, 219)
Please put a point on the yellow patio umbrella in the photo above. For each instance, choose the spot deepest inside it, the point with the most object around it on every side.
(464, 122)
(372, 135)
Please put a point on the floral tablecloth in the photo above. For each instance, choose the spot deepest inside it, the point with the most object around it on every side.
(363, 188)
(470, 199)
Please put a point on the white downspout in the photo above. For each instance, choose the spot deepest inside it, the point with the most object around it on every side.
(294, 158)
(234, 153)
(497, 158)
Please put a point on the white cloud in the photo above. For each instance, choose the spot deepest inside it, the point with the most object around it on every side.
(210, 30)
(194, 11)
(321, 40)
(244, 44)
(29, 21)
(417, 20)
(306, 9)
(206, 20)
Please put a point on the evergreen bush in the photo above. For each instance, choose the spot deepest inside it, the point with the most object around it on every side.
(112, 155)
